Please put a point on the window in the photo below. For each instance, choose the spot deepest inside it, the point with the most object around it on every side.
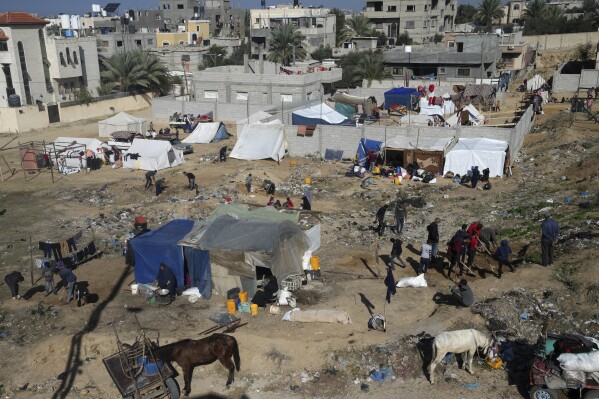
(3, 45)
(397, 71)
(392, 8)
(138, 43)
(424, 23)
(516, 7)
(241, 96)
(410, 24)
(286, 98)
(119, 43)
(157, 17)
(75, 60)
(69, 57)
(166, 6)
(426, 7)
(104, 43)
(451, 44)
(181, 42)
(165, 43)
(26, 77)
(442, 71)
(180, 6)
(150, 41)
(8, 77)
(463, 72)
(62, 61)
(460, 47)
(410, 8)
(210, 94)
(45, 62)
(433, 23)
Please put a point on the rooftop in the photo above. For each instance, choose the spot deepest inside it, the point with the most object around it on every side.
(20, 18)
(3, 35)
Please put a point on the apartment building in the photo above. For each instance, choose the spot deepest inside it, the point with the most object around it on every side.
(422, 19)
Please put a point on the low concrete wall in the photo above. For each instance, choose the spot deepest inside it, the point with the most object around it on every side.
(563, 41)
(23, 119)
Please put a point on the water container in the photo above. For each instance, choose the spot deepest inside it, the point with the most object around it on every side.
(315, 263)
(231, 306)
(253, 309)
(308, 180)
(243, 296)
(14, 100)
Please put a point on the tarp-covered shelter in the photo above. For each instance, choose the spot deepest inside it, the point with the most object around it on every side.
(152, 155)
(122, 122)
(263, 214)
(205, 133)
(69, 153)
(428, 152)
(65, 143)
(238, 247)
(535, 83)
(481, 152)
(366, 145)
(345, 101)
(161, 246)
(402, 96)
(260, 141)
(319, 114)
(475, 118)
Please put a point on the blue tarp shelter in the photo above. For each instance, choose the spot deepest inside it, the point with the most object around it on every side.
(367, 145)
(160, 246)
(401, 96)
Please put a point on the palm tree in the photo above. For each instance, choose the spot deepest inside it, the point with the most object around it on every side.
(358, 26)
(554, 16)
(135, 71)
(489, 11)
(534, 10)
(370, 67)
(283, 42)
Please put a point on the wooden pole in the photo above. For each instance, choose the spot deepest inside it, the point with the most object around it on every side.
(31, 259)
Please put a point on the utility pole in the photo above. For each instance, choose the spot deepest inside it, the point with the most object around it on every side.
(482, 62)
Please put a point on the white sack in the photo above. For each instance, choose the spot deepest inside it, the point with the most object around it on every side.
(417, 281)
(322, 316)
(587, 362)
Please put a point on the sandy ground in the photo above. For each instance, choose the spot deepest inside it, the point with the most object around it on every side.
(56, 350)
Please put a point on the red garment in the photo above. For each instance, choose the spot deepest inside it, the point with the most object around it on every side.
(473, 242)
(474, 229)
(289, 204)
(371, 156)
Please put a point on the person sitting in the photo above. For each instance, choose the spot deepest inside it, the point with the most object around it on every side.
(166, 279)
(271, 201)
(463, 294)
(267, 292)
(223, 154)
(270, 189)
(277, 204)
(160, 186)
(288, 204)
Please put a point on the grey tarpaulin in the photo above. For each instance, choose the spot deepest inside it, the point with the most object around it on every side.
(333, 155)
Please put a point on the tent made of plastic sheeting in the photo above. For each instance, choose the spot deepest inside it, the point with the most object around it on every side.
(68, 152)
(158, 246)
(152, 155)
(535, 83)
(428, 152)
(66, 143)
(346, 99)
(205, 133)
(319, 114)
(481, 152)
(254, 118)
(403, 96)
(366, 145)
(475, 117)
(346, 110)
(264, 214)
(122, 122)
(238, 247)
(259, 141)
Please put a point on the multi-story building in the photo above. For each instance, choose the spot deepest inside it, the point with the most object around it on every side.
(111, 43)
(422, 19)
(41, 68)
(176, 12)
(317, 24)
(513, 12)
(193, 32)
(224, 20)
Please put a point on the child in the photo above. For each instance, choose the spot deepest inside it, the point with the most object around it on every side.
(48, 274)
(503, 256)
(425, 257)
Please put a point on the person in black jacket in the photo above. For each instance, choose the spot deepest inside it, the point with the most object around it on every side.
(13, 279)
(396, 251)
(475, 177)
(433, 237)
(380, 219)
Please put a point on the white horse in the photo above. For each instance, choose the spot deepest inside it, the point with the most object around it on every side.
(461, 341)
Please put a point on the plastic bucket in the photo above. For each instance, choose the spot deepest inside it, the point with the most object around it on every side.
(243, 296)
(134, 289)
(308, 180)
(315, 263)
(231, 306)
(253, 309)
(397, 180)
(377, 170)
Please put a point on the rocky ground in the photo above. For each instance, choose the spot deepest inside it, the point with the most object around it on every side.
(50, 349)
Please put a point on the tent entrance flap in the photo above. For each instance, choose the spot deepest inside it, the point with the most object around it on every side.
(431, 161)
(395, 157)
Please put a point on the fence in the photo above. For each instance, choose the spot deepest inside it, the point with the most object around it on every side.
(561, 41)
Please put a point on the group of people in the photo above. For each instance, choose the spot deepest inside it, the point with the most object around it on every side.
(68, 278)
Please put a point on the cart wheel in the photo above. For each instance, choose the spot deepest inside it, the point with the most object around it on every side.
(539, 392)
(173, 388)
(593, 394)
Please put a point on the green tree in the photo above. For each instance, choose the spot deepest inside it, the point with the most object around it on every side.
(104, 89)
(215, 56)
(534, 10)
(135, 71)
(322, 53)
(53, 30)
(370, 67)
(340, 24)
(465, 13)
(404, 39)
(438, 38)
(283, 42)
(584, 52)
(236, 57)
(488, 11)
(358, 26)
(83, 94)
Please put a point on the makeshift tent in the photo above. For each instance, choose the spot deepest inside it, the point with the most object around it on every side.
(319, 114)
(161, 246)
(205, 133)
(68, 155)
(254, 118)
(260, 141)
(428, 152)
(238, 247)
(152, 155)
(263, 214)
(122, 122)
(404, 96)
(366, 145)
(481, 152)
(475, 117)
(345, 99)
(65, 143)
(346, 110)
(535, 83)
(426, 109)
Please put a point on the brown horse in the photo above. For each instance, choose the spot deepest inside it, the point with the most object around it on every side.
(189, 353)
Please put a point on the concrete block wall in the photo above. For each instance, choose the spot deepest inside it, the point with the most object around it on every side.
(563, 41)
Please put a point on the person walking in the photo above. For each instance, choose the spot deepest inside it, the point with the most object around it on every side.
(462, 235)
(396, 251)
(488, 236)
(400, 216)
(248, 183)
(48, 274)
(475, 177)
(150, 178)
(549, 235)
(12, 280)
(503, 257)
(454, 251)
(191, 178)
(472, 245)
(425, 257)
(68, 280)
(380, 219)
(463, 294)
(433, 236)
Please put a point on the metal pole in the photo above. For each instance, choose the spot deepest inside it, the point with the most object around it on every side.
(31, 259)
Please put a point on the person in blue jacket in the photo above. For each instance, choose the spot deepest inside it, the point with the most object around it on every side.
(68, 280)
(549, 234)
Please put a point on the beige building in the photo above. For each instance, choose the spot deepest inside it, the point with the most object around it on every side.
(422, 19)
(513, 12)
(193, 33)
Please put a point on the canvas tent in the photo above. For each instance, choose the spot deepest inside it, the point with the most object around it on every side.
(152, 155)
(122, 122)
(428, 152)
(260, 141)
(68, 151)
(158, 246)
(366, 145)
(481, 152)
(319, 114)
(403, 96)
(475, 117)
(205, 133)
(240, 250)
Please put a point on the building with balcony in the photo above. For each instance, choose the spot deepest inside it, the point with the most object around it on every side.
(515, 52)
(513, 12)
(462, 58)
(41, 69)
(422, 19)
(193, 32)
(317, 24)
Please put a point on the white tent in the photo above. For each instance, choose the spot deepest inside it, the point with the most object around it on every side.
(122, 122)
(66, 143)
(260, 141)
(254, 118)
(535, 83)
(152, 155)
(205, 133)
(475, 117)
(319, 114)
(481, 152)
(422, 143)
